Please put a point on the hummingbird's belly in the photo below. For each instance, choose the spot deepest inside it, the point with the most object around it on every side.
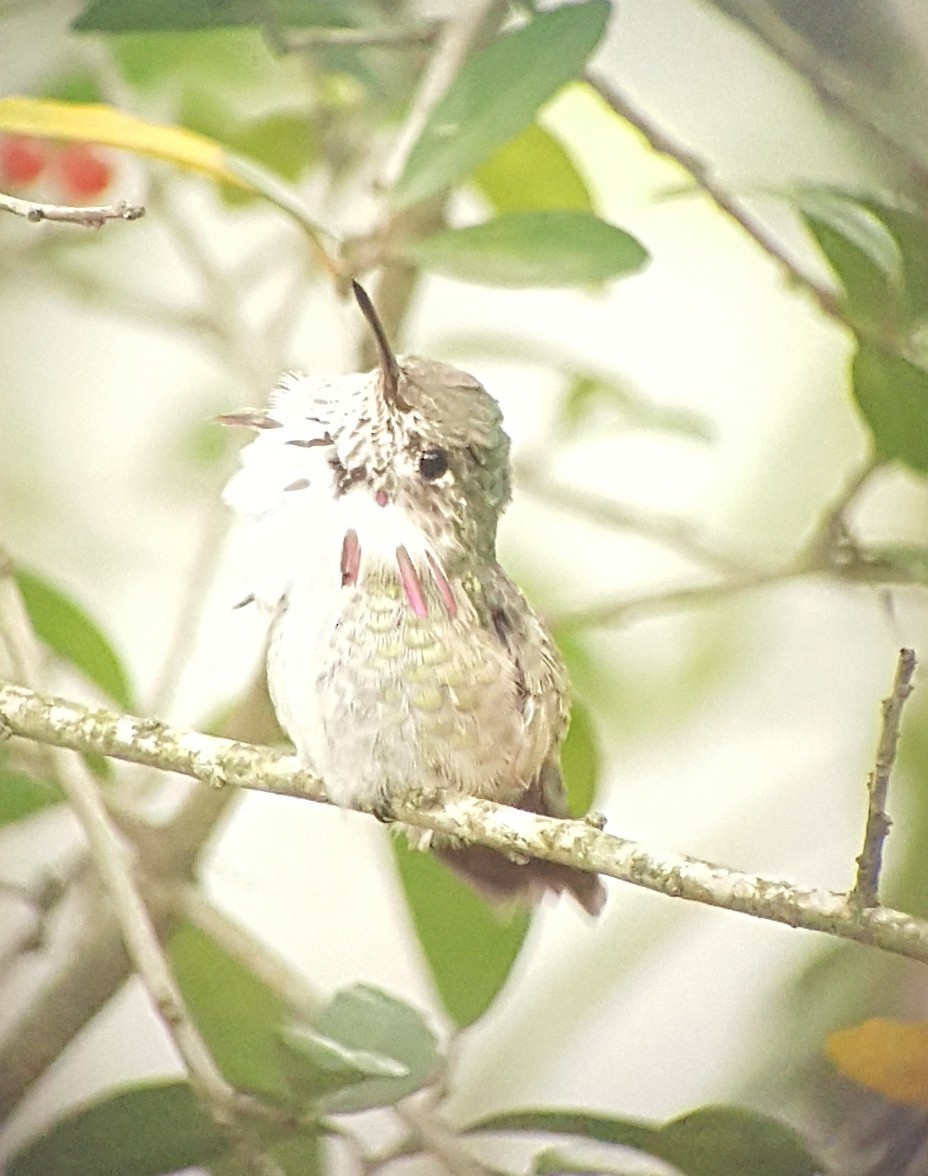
(402, 705)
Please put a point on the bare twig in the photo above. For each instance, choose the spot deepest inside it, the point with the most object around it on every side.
(392, 38)
(866, 890)
(89, 217)
(440, 1141)
(679, 535)
(701, 173)
(513, 831)
(257, 957)
(456, 42)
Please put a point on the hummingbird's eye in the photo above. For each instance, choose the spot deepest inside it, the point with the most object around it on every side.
(432, 464)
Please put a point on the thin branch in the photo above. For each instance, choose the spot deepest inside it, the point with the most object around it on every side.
(113, 864)
(679, 535)
(701, 173)
(633, 606)
(512, 831)
(392, 38)
(89, 217)
(255, 955)
(438, 1140)
(866, 890)
(456, 42)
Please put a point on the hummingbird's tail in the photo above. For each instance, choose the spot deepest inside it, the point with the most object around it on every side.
(502, 880)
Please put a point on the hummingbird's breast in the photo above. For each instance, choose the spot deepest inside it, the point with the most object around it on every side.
(385, 699)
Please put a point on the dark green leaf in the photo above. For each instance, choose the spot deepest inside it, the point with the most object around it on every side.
(238, 1015)
(728, 1141)
(532, 249)
(860, 249)
(712, 1141)
(553, 1162)
(910, 232)
(580, 761)
(73, 636)
(497, 93)
(532, 172)
(469, 947)
(21, 796)
(319, 1065)
(143, 1131)
(892, 394)
(145, 16)
(363, 1020)
(300, 1155)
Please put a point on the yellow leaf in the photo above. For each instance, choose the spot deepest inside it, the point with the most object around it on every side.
(89, 122)
(890, 1057)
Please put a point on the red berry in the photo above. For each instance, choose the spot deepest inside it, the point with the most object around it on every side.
(21, 159)
(82, 171)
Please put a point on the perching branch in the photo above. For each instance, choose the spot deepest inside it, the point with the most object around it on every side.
(221, 762)
(866, 890)
(90, 217)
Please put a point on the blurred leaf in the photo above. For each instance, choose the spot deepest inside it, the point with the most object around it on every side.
(496, 95)
(532, 172)
(119, 16)
(910, 232)
(21, 795)
(142, 1131)
(532, 249)
(553, 1162)
(93, 123)
(711, 1141)
(594, 399)
(900, 561)
(70, 633)
(581, 762)
(890, 1057)
(300, 1155)
(892, 394)
(368, 1029)
(470, 949)
(860, 249)
(238, 1015)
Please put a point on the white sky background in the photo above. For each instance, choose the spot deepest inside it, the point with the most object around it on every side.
(767, 774)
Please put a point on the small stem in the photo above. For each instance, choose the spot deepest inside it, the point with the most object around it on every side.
(701, 173)
(89, 217)
(395, 38)
(866, 892)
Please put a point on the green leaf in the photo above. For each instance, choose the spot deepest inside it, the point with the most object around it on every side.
(21, 795)
(530, 173)
(581, 762)
(596, 400)
(553, 1162)
(532, 249)
(72, 635)
(860, 249)
(892, 394)
(470, 948)
(142, 1131)
(910, 232)
(711, 1141)
(238, 1015)
(363, 1022)
(122, 16)
(318, 1065)
(497, 93)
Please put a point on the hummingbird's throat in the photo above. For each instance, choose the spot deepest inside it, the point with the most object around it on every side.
(414, 591)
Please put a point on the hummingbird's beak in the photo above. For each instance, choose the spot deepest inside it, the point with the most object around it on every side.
(389, 368)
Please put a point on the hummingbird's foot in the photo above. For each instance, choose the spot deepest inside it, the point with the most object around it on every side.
(383, 810)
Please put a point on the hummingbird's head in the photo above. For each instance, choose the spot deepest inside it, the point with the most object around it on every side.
(410, 461)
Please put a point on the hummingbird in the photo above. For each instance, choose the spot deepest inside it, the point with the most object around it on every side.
(403, 663)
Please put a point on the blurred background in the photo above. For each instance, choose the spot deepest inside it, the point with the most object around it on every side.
(739, 725)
